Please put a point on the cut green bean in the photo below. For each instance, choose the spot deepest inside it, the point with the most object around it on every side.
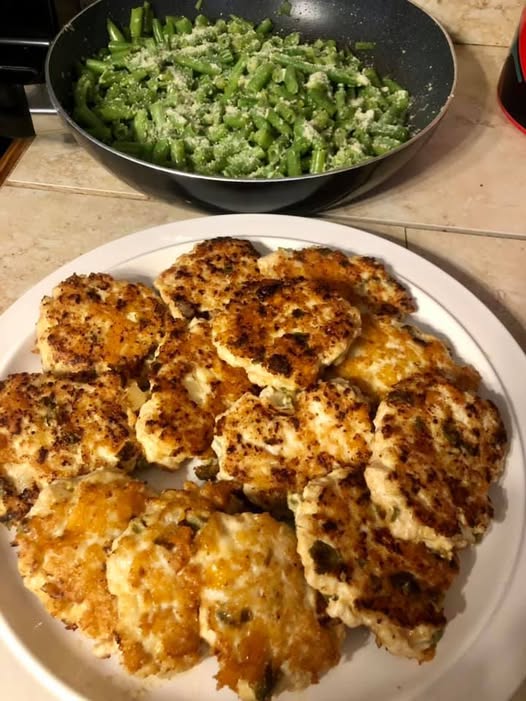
(114, 32)
(229, 97)
(319, 157)
(136, 19)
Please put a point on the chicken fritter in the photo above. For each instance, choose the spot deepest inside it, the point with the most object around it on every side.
(63, 545)
(54, 428)
(94, 323)
(388, 351)
(273, 449)
(266, 626)
(364, 281)
(395, 587)
(190, 386)
(283, 332)
(155, 585)
(436, 451)
(202, 281)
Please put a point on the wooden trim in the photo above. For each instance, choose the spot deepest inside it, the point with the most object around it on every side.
(11, 157)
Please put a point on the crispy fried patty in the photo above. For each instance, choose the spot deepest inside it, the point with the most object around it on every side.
(63, 545)
(94, 323)
(190, 386)
(362, 280)
(261, 619)
(54, 428)
(437, 449)
(274, 449)
(283, 332)
(394, 587)
(201, 282)
(388, 351)
(155, 586)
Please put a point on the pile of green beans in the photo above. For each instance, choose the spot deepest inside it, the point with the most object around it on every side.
(231, 98)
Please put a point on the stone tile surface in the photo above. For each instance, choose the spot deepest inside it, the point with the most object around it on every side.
(492, 268)
(470, 175)
(41, 230)
(491, 22)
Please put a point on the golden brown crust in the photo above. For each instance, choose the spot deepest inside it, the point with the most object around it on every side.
(387, 352)
(440, 448)
(284, 331)
(94, 323)
(53, 428)
(201, 282)
(395, 587)
(364, 281)
(273, 451)
(63, 545)
(190, 386)
(150, 573)
(263, 622)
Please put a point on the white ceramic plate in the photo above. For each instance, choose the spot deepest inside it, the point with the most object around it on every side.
(483, 653)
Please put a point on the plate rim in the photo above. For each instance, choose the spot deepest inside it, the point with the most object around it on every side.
(505, 623)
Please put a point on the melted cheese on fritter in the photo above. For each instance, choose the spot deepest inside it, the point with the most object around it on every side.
(387, 352)
(63, 545)
(156, 589)
(54, 428)
(363, 281)
(273, 450)
(94, 323)
(190, 386)
(394, 587)
(283, 332)
(201, 282)
(436, 451)
(258, 614)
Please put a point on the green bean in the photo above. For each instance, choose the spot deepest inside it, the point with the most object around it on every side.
(230, 97)
(321, 99)
(278, 123)
(260, 78)
(114, 32)
(263, 137)
(169, 26)
(136, 18)
(291, 80)
(319, 156)
(178, 153)
(293, 163)
(198, 5)
(119, 46)
(158, 33)
(140, 125)
(384, 144)
(111, 112)
(183, 25)
(161, 152)
(284, 110)
(264, 27)
(147, 18)
(96, 66)
(235, 75)
(197, 65)
(132, 148)
(85, 116)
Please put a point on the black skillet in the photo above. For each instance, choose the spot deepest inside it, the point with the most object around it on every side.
(411, 47)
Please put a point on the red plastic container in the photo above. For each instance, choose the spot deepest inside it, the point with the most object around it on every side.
(512, 82)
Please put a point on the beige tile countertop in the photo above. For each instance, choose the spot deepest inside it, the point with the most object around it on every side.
(460, 203)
